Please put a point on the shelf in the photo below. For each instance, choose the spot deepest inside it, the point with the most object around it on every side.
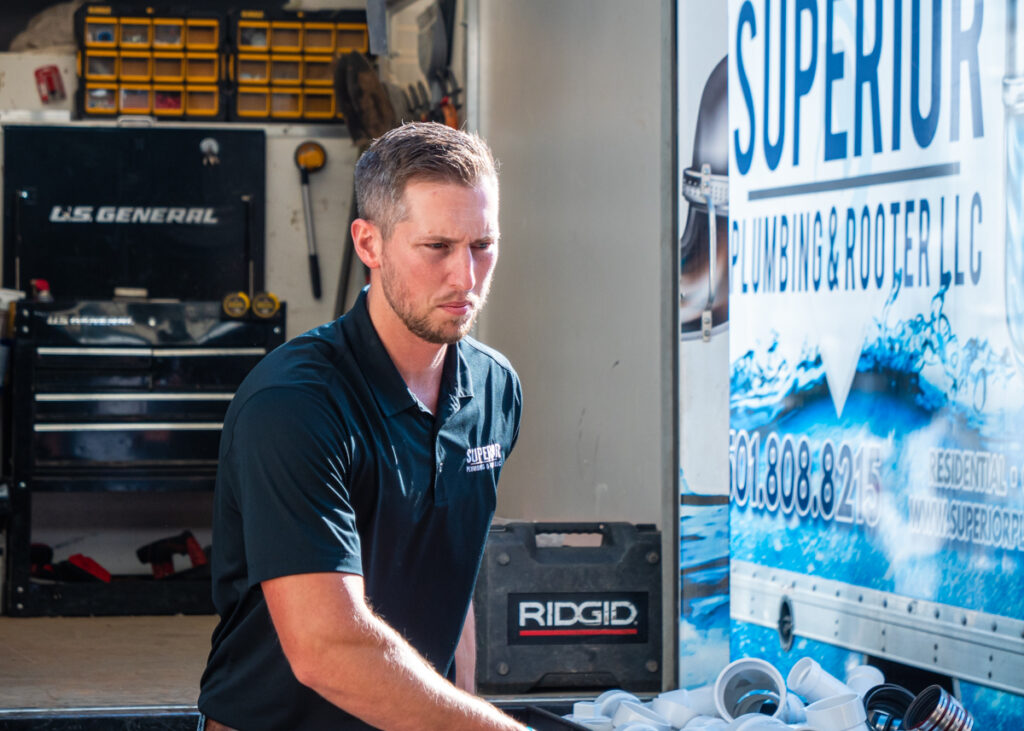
(167, 482)
(122, 596)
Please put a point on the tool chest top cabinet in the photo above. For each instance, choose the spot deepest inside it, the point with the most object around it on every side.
(124, 394)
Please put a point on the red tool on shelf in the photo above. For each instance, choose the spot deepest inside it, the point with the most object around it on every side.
(161, 553)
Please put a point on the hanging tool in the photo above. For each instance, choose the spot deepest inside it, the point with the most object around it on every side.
(368, 113)
(309, 157)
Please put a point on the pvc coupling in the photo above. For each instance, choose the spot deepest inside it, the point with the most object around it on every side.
(675, 707)
(593, 723)
(750, 686)
(838, 713)
(936, 710)
(633, 713)
(756, 722)
(706, 723)
(608, 702)
(809, 679)
(863, 678)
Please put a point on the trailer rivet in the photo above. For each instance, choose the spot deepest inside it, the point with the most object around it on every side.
(503, 668)
(652, 666)
(504, 559)
(20, 590)
(22, 485)
(653, 557)
(20, 606)
(277, 331)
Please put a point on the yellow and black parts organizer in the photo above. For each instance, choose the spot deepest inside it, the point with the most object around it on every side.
(247, 65)
(168, 64)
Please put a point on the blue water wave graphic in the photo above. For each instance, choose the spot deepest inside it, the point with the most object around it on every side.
(919, 385)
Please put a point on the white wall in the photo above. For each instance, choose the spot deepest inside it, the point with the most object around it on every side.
(571, 98)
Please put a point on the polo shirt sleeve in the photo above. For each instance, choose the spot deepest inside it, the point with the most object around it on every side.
(290, 461)
(516, 409)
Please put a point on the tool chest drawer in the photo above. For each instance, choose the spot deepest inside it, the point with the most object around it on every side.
(127, 385)
(111, 396)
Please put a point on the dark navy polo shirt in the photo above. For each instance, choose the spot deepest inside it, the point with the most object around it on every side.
(329, 463)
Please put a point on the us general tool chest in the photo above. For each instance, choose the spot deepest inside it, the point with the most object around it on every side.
(120, 397)
(553, 614)
(129, 243)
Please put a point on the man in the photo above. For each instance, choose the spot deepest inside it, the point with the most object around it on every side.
(358, 470)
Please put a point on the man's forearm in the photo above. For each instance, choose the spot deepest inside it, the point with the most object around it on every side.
(374, 674)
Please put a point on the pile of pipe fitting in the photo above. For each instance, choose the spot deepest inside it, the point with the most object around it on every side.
(750, 695)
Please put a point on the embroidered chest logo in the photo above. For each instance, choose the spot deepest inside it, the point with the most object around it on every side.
(486, 457)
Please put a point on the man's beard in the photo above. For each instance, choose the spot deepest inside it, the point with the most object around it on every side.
(447, 332)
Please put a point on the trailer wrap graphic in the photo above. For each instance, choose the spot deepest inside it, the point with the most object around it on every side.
(876, 251)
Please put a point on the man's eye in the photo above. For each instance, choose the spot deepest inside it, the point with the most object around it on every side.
(483, 245)
(437, 245)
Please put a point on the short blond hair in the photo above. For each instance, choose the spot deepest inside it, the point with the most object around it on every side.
(422, 151)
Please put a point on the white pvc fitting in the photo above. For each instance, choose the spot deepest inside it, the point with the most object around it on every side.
(863, 678)
(839, 713)
(584, 709)
(673, 708)
(756, 722)
(744, 686)
(594, 723)
(632, 712)
(794, 710)
(706, 723)
(699, 700)
(608, 702)
(814, 683)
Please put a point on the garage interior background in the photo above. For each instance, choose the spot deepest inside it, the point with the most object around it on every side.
(576, 98)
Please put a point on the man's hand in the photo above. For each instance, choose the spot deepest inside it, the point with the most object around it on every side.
(339, 648)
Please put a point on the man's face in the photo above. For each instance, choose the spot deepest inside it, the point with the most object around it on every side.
(436, 267)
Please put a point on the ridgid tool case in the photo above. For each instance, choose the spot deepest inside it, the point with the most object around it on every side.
(556, 611)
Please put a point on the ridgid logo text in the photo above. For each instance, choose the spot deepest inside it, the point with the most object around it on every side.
(578, 617)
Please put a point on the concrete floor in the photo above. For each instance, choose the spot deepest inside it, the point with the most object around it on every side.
(102, 662)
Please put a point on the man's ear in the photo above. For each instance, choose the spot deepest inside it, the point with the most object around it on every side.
(368, 242)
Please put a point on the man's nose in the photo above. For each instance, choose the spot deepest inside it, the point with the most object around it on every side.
(463, 274)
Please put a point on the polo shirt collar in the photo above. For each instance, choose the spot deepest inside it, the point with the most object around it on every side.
(460, 383)
(392, 393)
